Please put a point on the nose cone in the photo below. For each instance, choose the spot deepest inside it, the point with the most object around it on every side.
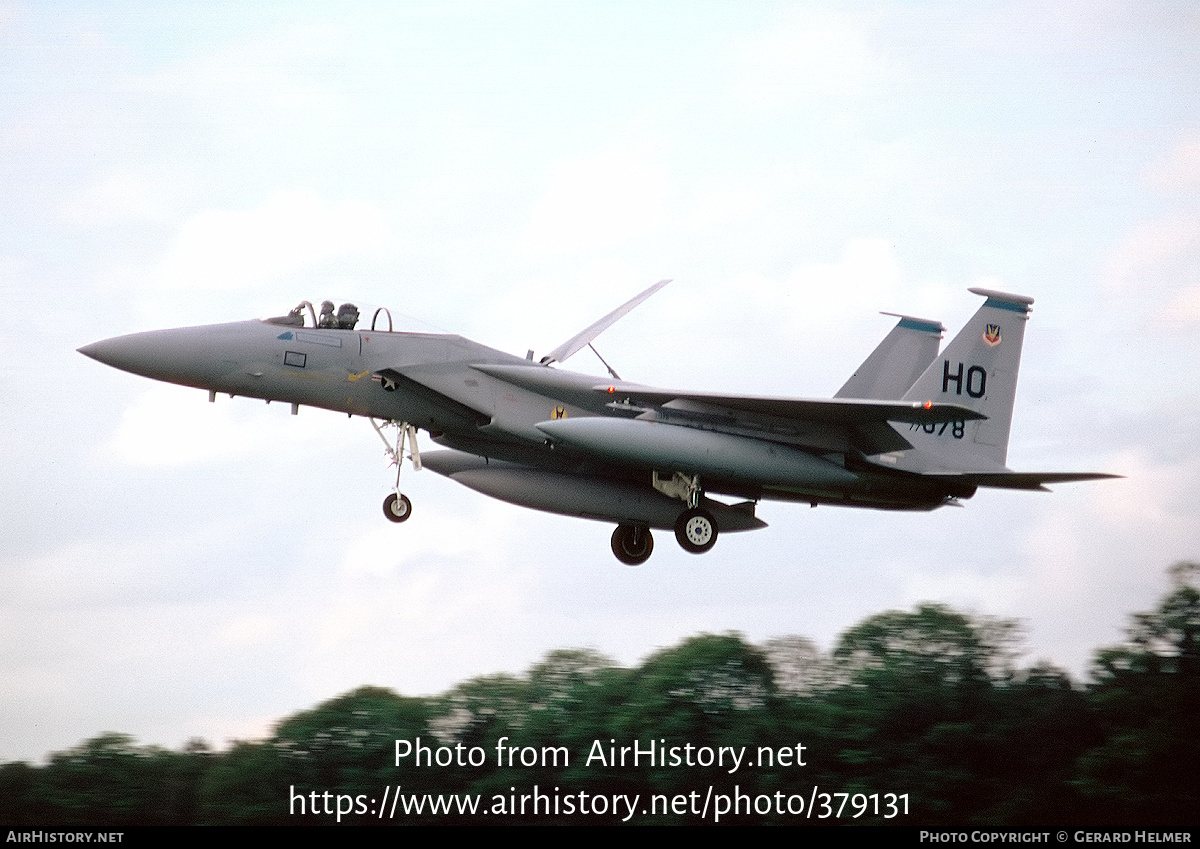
(116, 352)
(156, 354)
(191, 356)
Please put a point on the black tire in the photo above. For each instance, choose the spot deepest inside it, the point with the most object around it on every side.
(632, 545)
(696, 530)
(397, 507)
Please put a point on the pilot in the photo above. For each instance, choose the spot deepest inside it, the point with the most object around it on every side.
(295, 318)
(327, 319)
(347, 316)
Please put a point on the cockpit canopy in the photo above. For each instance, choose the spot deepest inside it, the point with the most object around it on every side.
(344, 317)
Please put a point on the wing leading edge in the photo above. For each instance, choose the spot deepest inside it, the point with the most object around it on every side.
(843, 411)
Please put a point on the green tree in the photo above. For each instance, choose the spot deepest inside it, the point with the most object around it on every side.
(1145, 694)
(111, 780)
(345, 745)
(916, 696)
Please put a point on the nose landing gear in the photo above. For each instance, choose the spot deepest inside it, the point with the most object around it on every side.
(396, 507)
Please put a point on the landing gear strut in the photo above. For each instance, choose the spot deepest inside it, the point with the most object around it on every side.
(632, 544)
(396, 506)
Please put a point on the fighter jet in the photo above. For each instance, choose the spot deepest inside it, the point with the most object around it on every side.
(912, 429)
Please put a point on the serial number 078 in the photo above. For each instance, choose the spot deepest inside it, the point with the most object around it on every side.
(893, 805)
(956, 428)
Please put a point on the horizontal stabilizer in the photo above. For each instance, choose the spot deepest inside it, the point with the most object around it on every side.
(1024, 480)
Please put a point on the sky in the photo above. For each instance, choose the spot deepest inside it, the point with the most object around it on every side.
(510, 171)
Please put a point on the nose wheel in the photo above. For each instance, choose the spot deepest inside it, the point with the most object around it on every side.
(397, 507)
(696, 530)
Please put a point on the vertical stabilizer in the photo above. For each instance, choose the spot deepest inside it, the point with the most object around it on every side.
(897, 362)
(977, 370)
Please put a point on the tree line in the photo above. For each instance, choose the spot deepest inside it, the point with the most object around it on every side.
(928, 704)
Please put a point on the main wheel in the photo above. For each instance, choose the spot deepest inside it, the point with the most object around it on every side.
(397, 507)
(696, 530)
(632, 545)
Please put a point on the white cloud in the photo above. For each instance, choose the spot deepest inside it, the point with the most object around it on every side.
(169, 426)
(248, 630)
(1183, 308)
(235, 249)
(115, 198)
(1148, 250)
(1180, 169)
(721, 203)
(1154, 266)
(595, 202)
(1098, 551)
(815, 305)
(274, 82)
(816, 55)
(399, 580)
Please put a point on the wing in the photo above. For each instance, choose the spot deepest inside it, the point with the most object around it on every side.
(433, 392)
(836, 424)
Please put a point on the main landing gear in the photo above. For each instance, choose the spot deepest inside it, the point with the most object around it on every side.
(695, 529)
(396, 506)
(632, 544)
